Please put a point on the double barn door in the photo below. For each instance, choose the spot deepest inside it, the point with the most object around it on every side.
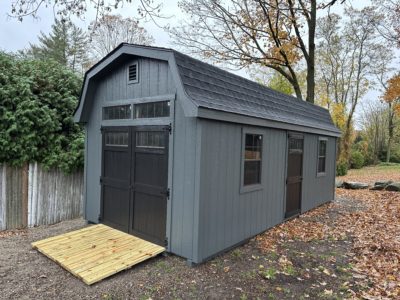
(134, 180)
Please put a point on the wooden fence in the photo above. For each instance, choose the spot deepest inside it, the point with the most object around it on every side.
(33, 196)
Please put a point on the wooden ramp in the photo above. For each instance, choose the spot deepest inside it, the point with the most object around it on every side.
(96, 252)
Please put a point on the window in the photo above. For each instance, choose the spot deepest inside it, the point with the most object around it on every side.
(321, 156)
(133, 73)
(252, 159)
(150, 139)
(118, 139)
(152, 110)
(117, 112)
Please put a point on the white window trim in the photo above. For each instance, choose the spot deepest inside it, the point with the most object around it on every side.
(257, 186)
(322, 174)
(137, 72)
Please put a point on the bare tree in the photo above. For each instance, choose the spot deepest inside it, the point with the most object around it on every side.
(374, 125)
(347, 55)
(111, 30)
(64, 9)
(278, 34)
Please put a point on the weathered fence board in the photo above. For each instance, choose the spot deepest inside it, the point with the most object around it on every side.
(3, 207)
(52, 196)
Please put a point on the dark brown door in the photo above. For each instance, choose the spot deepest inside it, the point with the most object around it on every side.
(116, 177)
(135, 180)
(294, 175)
(150, 183)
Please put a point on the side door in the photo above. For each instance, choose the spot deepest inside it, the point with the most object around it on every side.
(294, 175)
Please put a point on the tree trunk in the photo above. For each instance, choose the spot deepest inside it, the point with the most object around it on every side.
(390, 137)
(311, 53)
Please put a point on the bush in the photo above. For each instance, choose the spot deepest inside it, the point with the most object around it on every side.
(37, 102)
(341, 168)
(356, 160)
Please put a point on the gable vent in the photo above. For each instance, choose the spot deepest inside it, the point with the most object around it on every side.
(132, 73)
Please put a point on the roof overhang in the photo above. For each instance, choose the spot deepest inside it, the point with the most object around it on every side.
(212, 114)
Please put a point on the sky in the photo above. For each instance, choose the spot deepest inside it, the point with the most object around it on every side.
(16, 35)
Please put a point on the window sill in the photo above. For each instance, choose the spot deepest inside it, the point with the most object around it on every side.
(251, 188)
(321, 174)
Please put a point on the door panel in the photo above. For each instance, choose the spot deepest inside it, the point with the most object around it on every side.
(116, 177)
(294, 175)
(150, 183)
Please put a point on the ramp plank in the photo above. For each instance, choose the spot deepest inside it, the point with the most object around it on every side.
(96, 252)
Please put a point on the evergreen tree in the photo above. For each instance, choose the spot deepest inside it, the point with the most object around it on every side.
(65, 44)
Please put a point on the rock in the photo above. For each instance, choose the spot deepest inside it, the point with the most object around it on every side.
(378, 187)
(384, 183)
(393, 187)
(352, 185)
(339, 183)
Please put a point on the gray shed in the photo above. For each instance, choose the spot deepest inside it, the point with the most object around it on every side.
(184, 154)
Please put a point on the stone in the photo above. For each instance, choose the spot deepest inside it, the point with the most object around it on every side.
(339, 184)
(352, 185)
(385, 183)
(378, 187)
(393, 187)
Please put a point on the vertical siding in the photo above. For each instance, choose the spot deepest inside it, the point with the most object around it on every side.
(226, 216)
(317, 190)
(184, 176)
(154, 80)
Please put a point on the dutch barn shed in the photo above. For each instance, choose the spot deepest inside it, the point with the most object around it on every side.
(186, 155)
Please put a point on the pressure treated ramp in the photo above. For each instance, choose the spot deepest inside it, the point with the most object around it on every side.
(96, 252)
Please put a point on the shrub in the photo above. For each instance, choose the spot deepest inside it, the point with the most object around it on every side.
(356, 160)
(341, 168)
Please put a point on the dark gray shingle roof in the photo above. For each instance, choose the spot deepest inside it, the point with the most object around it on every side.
(214, 88)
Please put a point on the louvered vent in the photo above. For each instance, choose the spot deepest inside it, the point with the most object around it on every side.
(132, 73)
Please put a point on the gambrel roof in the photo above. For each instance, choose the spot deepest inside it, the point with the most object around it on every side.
(211, 90)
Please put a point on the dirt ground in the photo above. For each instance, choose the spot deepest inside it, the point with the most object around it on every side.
(246, 272)
(300, 259)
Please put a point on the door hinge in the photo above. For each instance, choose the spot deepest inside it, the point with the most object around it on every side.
(101, 180)
(169, 128)
(166, 241)
(166, 193)
(100, 218)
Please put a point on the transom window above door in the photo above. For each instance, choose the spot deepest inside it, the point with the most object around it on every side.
(152, 110)
(117, 112)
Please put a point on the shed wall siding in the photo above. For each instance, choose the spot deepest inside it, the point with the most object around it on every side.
(154, 80)
(226, 216)
(184, 176)
(317, 190)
